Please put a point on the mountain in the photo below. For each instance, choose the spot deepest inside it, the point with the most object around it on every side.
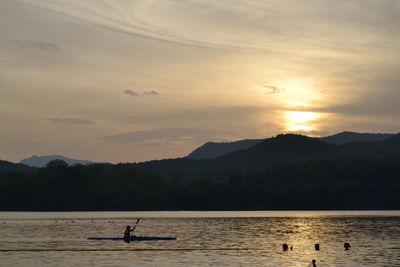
(291, 148)
(6, 166)
(213, 150)
(282, 149)
(346, 137)
(41, 161)
(284, 172)
(389, 148)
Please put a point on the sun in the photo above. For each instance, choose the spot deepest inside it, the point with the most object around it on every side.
(301, 120)
(301, 116)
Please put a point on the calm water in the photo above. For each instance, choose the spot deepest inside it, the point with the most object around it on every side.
(204, 238)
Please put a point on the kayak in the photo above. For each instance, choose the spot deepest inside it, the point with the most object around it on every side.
(135, 238)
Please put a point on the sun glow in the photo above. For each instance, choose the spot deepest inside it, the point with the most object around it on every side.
(301, 116)
(301, 120)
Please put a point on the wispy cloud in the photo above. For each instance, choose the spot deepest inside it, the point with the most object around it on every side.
(152, 92)
(162, 21)
(75, 121)
(38, 46)
(165, 135)
(130, 92)
(273, 90)
(144, 93)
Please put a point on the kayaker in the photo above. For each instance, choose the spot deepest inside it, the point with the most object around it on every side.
(127, 234)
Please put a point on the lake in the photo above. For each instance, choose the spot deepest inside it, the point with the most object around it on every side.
(226, 238)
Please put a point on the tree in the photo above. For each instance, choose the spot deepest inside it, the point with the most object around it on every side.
(57, 164)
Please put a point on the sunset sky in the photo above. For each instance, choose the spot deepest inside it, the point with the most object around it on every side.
(126, 81)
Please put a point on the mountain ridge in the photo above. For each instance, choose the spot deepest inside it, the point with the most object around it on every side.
(284, 148)
(7, 166)
(41, 161)
(287, 171)
(212, 150)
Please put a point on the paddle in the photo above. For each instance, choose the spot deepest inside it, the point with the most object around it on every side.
(133, 229)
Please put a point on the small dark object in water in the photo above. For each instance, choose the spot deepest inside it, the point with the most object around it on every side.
(316, 247)
(285, 247)
(134, 238)
(347, 246)
(314, 263)
(291, 247)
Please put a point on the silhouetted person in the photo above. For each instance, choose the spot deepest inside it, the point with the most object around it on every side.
(127, 234)
(291, 247)
(285, 247)
(312, 264)
(316, 247)
(347, 246)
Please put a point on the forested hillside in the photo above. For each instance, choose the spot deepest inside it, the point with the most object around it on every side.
(288, 148)
(323, 184)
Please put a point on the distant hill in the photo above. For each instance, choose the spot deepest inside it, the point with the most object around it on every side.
(6, 166)
(284, 172)
(389, 148)
(41, 161)
(280, 149)
(346, 137)
(285, 148)
(212, 150)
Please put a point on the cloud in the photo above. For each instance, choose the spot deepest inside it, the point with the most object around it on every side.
(362, 108)
(273, 90)
(74, 121)
(152, 92)
(34, 45)
(165, 135)
(130, 92)
(264, 25)
(369, 93)
(212, 116)
(300, 108)
(145, 93)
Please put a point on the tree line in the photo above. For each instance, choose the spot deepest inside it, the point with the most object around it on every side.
(371, 183)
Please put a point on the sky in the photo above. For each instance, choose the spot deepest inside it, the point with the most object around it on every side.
(130, 81)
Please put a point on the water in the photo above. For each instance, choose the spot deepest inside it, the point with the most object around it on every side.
(238, 238)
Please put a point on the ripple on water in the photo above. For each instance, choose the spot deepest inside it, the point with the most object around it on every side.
(246, 241)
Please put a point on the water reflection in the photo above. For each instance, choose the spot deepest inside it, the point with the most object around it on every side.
(248, 241)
